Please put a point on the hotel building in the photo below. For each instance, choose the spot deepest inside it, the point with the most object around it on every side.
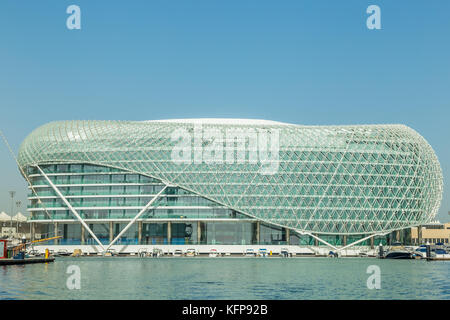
(228, 182)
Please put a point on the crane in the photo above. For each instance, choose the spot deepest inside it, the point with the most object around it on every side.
(21, 246)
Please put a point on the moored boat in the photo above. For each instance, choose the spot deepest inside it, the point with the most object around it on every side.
(190, 253)
(249, 253)
(262, 252)
(213, 253)
(177, 253)
(399, 254)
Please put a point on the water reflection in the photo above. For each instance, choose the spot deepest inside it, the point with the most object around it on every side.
(226, 278)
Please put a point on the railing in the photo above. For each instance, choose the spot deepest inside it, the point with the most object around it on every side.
(86, 204)
(69, 216)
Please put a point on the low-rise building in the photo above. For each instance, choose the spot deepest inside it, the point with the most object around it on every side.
(433, 233)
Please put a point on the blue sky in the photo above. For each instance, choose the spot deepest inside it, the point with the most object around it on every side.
(304, 62)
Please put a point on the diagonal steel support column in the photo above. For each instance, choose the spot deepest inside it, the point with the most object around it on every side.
(136, 217)
(70, 207)
(360, 240)
(315, 237)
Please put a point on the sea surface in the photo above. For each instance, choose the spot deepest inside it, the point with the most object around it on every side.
(225, 278)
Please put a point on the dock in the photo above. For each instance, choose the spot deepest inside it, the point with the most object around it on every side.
(438, 259)
(25, 261)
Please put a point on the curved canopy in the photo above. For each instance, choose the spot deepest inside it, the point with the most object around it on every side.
(19, 217)
(4, 217)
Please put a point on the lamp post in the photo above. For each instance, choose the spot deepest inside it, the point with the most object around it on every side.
(12, 194)
(18, 203)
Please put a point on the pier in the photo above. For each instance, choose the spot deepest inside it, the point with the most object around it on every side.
(25, 261)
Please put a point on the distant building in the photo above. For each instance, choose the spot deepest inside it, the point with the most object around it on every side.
(432, 233)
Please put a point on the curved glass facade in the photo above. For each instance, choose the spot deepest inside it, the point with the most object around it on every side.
(329, 180)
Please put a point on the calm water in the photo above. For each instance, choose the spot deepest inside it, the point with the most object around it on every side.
(226, 278)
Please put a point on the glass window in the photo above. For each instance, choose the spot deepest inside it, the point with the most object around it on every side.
(76, 179)
(93, 168)
(145, 179)
(118, 178)
(132, 189)
(154, 233)
(117, 214)
(39, 181)
(129, 237)
(147, 190)
(118, 190)
(75, 168)
(32, 170)
(60, 168)
(71, 234)
(132, 201)
(101, 231)
(272, 234)
(132, 178)
(183, 233)
(228, 233)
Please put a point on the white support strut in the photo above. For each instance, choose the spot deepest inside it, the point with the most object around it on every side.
(136, 217)
(315, 237)
(70, 207)
(360, 240)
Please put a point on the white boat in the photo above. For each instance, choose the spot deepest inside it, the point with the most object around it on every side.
(441, 254)
(421, 252)
(262, 252)
(284, 252)
(213, 253)
(109, 253)
(249, 253)
(142, 252)
(177, 253)
(363, 254)
(156, 252)
(190, 253)
(434, 252)
(62, 253)
(34, 253)
(399, 254)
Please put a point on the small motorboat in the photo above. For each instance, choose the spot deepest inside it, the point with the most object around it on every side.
(399, 254)
(177, 253)
(262, 252)
(284, 253)
(398, 251)
(213, 253)
(110, 253)
(249, 253)
(77, 253)
(441, 253)
(34, 253)
(62, 253)
(434, 252)
(363, 254)
(333, 254)
(142, 252)
(421, 251)
(190, 253)
(156, 252)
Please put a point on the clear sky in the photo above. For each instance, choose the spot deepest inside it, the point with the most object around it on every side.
(304, 62)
